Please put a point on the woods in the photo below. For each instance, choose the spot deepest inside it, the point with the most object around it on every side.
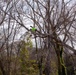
(37, 37)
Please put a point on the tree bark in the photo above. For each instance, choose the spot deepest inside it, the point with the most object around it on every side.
(2, 68)
(61, 65)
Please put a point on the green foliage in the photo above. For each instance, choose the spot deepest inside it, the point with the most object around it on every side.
(27, 66)
(29, 43)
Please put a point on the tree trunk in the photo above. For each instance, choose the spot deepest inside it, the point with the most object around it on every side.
(40, 65)
(2, 68)
(61, 65)
(47, 69)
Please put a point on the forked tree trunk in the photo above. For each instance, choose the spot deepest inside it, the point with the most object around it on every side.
(61, 65)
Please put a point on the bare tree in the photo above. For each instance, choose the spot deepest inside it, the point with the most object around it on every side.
(53, 27)
(54, 21)
(8, 32)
